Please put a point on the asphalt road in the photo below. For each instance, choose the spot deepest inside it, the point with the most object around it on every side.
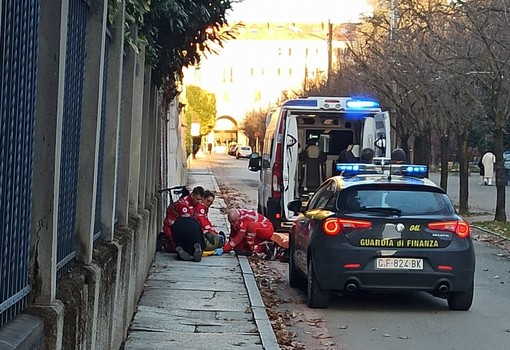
(481, 198)
(415, 321)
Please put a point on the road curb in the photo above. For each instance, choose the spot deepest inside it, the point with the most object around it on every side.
(269, 341)
(491, 232)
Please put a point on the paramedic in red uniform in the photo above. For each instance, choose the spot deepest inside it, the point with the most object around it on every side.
(182, 230)
(214, 239)
(247, 229)
(202, 212)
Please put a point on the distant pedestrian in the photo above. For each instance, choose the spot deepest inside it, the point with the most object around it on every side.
(248, 230)
(488, 160)
(482, 171)
(209, 147)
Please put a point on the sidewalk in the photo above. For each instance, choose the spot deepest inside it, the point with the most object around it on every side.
(213, 304)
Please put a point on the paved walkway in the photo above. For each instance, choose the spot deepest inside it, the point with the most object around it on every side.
(213, 304)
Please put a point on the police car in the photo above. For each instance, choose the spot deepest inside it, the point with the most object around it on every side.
(381, 228)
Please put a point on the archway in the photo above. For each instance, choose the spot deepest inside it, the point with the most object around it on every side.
(225, 131)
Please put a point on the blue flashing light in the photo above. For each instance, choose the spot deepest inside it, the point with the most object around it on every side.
(351, 168)
(415, 170)
(301, 103)
(362, 104)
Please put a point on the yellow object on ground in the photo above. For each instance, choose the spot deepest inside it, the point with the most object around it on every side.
(281, 238)
(208, 253)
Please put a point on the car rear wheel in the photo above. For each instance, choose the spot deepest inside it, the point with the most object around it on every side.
(296, 279)
(317, 298)
(461, 301)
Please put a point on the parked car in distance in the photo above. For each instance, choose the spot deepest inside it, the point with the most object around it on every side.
(232, 150)
(384, 229)
(243, 152)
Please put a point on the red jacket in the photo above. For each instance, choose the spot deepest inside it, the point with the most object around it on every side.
(201, 214)
(183, 207)
(238, 232)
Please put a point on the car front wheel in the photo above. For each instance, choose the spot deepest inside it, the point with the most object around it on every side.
(461, 301)
(317, 298)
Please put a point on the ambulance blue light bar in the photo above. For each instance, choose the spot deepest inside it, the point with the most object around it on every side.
(361, 104)
(413, 170)
(351, 169)
(301, 103)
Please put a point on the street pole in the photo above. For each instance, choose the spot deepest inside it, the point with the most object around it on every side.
(330, 50)
(393, 19)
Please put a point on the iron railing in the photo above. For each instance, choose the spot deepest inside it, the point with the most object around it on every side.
(71, 133)
(18, 67)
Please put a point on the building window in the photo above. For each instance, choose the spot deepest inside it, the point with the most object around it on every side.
(279, 51)
(257, 96)
(231, 75)
(251, 72)
(224, 76)
(226, 96)
(262, 72)
(278, 72)
(290, 72)
(290, 51)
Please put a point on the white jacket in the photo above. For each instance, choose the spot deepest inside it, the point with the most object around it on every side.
(488, 160)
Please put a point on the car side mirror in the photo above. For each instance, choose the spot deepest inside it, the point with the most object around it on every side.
(254, 163)
(295, 206)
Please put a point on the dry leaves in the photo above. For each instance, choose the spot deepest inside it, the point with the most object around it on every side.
(267, 280)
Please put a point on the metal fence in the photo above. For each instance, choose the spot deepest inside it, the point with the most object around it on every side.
(71, 133)
(18, 61)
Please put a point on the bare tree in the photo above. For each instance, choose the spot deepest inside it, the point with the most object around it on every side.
(254, 126)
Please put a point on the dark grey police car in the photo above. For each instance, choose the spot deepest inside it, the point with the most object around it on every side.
(381, 228)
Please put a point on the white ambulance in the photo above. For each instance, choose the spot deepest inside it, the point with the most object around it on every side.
(303, 141)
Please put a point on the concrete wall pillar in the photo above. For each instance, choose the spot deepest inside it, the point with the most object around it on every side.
(46, 177)
(112, 126)
(91, 125)
(136, 132)
(152, 173)
(144, 147)
(126, 127)
(152, 170)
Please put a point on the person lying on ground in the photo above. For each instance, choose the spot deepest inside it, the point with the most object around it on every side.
(182, 230)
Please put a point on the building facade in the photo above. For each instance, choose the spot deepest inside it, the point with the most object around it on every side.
(268, 62)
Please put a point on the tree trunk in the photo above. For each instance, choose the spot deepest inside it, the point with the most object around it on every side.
(445, 155)
(404, 139)
(500, 175)
(463, 174)
(422, 147)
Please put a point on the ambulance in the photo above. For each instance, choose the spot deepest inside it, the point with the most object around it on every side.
(304, 138)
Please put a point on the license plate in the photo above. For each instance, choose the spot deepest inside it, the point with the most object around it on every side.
(399, 263)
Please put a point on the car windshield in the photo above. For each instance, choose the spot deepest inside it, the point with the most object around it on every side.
(395, 202)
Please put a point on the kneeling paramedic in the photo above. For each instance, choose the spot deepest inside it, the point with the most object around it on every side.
(247, 230)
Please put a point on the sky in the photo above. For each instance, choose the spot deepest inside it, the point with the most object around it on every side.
(300, 11)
